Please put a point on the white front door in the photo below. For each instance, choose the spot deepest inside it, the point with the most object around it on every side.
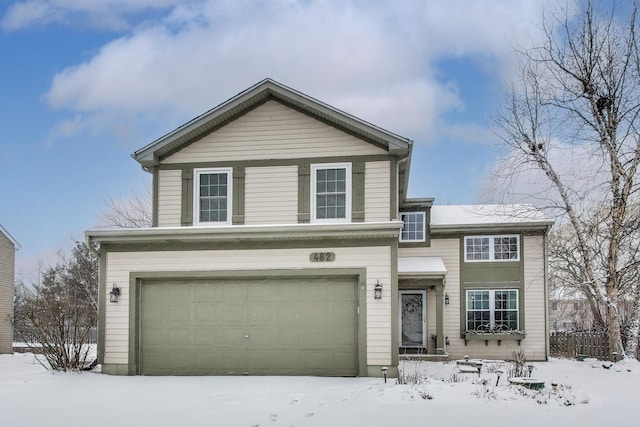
(413, 319)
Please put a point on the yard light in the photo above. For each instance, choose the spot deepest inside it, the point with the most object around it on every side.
(384, 370)
(498, 372)
(614, 356)
(446, 299)
(377, 290)
(114, 294)
(530, 368)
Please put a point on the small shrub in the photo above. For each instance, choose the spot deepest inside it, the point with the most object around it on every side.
(457, 377)
(518, 366)
(483, 391)
(410, 378)
(425, 395)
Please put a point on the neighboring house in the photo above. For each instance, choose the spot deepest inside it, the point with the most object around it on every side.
(8, 248)
(570, 314)
(283, 243)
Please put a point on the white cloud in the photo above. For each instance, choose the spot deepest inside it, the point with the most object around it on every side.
(376, 60)
(102, 14)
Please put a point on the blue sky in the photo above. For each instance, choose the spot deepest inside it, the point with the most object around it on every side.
(84, 84)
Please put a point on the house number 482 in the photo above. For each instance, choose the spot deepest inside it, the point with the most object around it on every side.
(322, 256)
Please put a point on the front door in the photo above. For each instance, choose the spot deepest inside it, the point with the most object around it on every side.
(413, 315)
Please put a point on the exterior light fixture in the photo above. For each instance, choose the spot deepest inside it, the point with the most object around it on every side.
(384, 370)
(377, 290)
(530, 369)
(446, 299)
(114, 294)
(498, 373)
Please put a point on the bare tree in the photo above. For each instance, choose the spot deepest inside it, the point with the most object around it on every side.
(60, 318)
(129, 212)
(576, 98)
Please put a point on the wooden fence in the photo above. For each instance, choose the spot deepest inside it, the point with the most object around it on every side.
(576, 344)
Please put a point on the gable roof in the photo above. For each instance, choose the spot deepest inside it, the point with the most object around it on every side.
(234, 107)
(10, 237)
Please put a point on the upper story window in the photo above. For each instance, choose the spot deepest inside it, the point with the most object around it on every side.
(413, 229)
(492, 248)
(331, 192)
(492, 310)
(212, 196)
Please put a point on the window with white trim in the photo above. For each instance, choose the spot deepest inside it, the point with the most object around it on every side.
(212, 196)
(492, 248)
(331, 192)
(493, 310)
(413, 228)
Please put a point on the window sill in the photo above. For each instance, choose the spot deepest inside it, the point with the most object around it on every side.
(491, 336)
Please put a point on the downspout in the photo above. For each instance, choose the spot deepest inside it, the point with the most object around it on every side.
(545, 254)
(402, 160)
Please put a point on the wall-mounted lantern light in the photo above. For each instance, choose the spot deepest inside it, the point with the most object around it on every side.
(446, 299)
(377, 290)
(114, 294)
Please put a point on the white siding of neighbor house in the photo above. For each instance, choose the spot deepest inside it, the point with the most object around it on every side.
(271, 195)
(534, 345)
(7, 267)
(273, 131)
(377, 191)
(376, 260)
(169, 198)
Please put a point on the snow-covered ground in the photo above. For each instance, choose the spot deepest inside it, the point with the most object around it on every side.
(586, 395)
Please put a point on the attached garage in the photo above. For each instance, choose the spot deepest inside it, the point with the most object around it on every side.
(248, 326)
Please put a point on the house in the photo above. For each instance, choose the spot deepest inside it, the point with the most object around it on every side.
(8, 248)
(570, 314)
(283, 243)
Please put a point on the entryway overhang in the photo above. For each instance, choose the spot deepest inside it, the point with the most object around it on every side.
(421, 267)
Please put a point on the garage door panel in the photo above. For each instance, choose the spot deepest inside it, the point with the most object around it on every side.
(231, 338)
(208, 312)
(208, 292)
(261, 312)
(233, 291)
(259, 327)
(234, 313)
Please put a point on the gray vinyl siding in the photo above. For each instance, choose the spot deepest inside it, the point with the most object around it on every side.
(377, 191)
(271, 195)
(7, 266)
(273, 131)
(169, 198)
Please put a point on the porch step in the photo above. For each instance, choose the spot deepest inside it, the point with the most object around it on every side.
(426, 357)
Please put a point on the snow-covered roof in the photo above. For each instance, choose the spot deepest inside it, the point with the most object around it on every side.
(421, 266)
(456, 216)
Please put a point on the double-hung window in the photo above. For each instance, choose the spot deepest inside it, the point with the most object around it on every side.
(492, 248)
(494, 310)
(212, 196)
(413, 228)
(331, 192)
